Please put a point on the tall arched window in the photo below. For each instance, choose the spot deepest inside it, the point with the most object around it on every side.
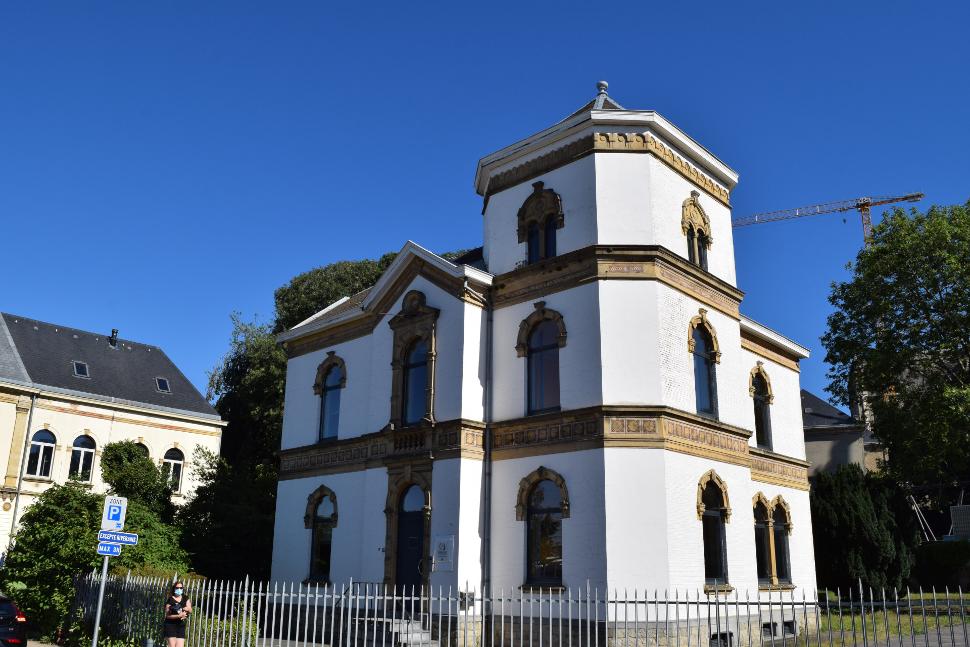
(320, 519)
(762, 542)
(143, 448)
(333, 383)
(82, 458)
(534, 247)
(761, 394)
(714, 518)
(41, 454)
(543, 367)
(544, 534)
(697, 228)
(705, 384)
(415, 382)
(781, 525)
(172, 464)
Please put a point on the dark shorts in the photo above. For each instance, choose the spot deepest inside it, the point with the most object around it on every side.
(174, 630)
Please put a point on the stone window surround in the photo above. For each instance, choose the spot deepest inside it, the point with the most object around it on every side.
(541, 313)
(759, 369)
(399, 479)
(701, 320)
(712, 476)
(310, 518)
(777, 502)
(530, 481)
(329, 362)
(541, 205)
(694, 216)
(416, 321)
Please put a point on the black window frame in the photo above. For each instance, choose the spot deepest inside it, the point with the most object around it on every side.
(782, 564)
(330, 392)
(321, 534)
(87, 369)
(714, 522)
(158, 385)
(707, 355)
(762, 411)
(81, 467)
(762, 538)
(43, 457)
(407, 367)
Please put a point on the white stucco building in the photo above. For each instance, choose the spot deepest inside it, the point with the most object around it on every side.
(578, 401)
(66, 393)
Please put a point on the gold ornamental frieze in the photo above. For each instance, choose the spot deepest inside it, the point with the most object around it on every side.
(768, 467)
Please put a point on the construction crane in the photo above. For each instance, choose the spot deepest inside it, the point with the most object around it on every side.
(863, 205)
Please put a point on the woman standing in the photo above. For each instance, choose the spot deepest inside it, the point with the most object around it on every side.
(177, 609)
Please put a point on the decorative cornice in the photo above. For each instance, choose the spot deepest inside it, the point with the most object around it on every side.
(759, 347)
(607, 143)
(615, 262)
(777, 469)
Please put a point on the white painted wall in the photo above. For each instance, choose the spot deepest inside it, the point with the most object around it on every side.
(787, 431)
(575, 183)
(584, 532)
(579, 359)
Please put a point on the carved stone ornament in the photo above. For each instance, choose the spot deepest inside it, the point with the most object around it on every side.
(324, 368)
(538, 208)
(692, 214)
(530, 481)
(760, 498)
(779, 502)
(701, 320)
(313, 502)
(712, 476)
(541, 314)
(416, 321)
(759, 369)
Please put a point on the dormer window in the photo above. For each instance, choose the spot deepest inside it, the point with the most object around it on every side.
(81, 369)
(162, 385)
(539, 218)
(697, 229)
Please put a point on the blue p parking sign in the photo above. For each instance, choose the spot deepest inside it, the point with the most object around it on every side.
(113, 517)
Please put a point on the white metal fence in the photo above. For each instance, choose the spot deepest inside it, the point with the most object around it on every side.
(256, 614)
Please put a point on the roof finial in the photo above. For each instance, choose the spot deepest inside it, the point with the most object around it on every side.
(601, 87)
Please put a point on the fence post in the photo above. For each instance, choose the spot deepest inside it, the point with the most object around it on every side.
(244, 618)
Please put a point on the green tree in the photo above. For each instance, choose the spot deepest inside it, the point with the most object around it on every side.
(862, 529)
(132, 474)
(311, 291)
(56, 540)
(900, 335)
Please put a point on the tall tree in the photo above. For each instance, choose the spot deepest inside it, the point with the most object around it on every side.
(900, 337)
(130, 473)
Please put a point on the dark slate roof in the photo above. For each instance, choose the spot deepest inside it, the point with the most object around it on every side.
(602, 101)
(816, 412)
(473, 257)
(46, 354)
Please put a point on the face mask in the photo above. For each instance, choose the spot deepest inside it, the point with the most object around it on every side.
(178, 591)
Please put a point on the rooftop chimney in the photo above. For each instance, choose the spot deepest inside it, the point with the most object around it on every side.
(113, 339)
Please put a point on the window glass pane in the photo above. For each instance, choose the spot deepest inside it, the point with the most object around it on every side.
(87, 461)
(545, 547)
(543, 380)
(762, 551)
(143, 449)
(550, 235)
(47, 458)
(75, 469)
(691, 245)
(761, 421)
(85, 442)
(545, 494)
(325, 508)
(413, 499)
(712, 497)
(533, 243)
(702, 384)
(544, 335)
(174, 455)
(702, 251)
(44, 436)
(415, 396)
(713, 547)
(33, 460)
(320, 559)
(330, 415)
(334, 377)
(781, 547)
(176, 476)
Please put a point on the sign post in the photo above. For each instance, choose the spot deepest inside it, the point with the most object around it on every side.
(113, 520)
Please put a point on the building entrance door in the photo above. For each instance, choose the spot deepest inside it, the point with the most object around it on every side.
(410, 538)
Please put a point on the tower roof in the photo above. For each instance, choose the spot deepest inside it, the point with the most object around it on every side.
(602, 101)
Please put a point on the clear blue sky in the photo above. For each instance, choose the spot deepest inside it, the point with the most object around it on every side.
(164, 164)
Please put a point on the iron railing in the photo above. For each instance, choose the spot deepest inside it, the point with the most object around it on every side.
(359, 614)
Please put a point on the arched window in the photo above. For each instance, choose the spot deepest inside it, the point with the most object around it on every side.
(697, 228)
(143, 448)
(172, 464)
(544, 534)
(320, 519)
(333, 383)
(534, 250)
(538, 219)
(41, 454)
(781, 525)
(82, 458)
(714, 518)
(761, 394)
(762, 542)
(705, 384)
(415, 383)
(543, 368)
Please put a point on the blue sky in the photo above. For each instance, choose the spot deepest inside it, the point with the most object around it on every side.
(165, 164)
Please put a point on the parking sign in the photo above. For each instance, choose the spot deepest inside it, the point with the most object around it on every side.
(113, 517)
